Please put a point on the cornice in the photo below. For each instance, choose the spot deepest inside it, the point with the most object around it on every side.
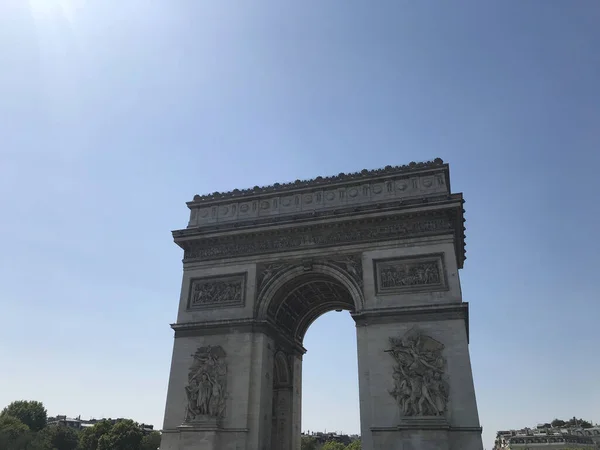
(372, 228)
(217, 327)
(311, 216)
(365, 174)
(436, 312)
(410, 187)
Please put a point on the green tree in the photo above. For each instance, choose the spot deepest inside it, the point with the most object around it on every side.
(31, 413)
(332, 445)
(15, 435)
(12, 428)
(60, 437)
(308, 443)
(88, 439)
(354, 445)
(13, 432)
(574, 422)
(151, 441)
(124, 435)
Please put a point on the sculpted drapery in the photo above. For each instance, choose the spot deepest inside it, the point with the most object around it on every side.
(419, 385)
(206, 384)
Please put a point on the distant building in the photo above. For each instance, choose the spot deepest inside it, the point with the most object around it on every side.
(543, 438)
(79, 424)
(66, 421)
(322, 437)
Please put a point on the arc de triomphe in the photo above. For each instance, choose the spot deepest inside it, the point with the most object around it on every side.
(260, 265)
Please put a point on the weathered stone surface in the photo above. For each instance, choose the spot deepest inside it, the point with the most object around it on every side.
(260, 265)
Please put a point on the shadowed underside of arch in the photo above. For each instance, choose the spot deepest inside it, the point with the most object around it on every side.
(303, 299)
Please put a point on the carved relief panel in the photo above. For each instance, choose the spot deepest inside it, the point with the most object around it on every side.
(350, 264)
(214, 292)
(399, 275)
(207, 385)
(420, 386)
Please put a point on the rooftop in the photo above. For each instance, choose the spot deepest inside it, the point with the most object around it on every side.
(407, 169)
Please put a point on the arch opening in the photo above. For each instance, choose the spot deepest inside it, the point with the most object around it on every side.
(330, 378)
(301, 300)
(292, 302)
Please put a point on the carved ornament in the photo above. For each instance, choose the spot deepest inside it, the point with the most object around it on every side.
(399, 275)
(420, 386)
(268, 273)
(321, 235)
(219, 291)
(207, 385)
(351, 265)
(320, 181)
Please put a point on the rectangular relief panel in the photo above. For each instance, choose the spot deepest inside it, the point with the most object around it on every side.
(410, 274)
(218, 291)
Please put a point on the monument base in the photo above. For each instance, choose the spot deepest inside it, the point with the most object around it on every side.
(424, 423)
(411, 439)
(426, 433)
(195, 435)
(204, 424)
(188, 438)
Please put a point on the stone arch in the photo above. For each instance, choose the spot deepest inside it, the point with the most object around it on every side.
(297, 294)
(261, 264)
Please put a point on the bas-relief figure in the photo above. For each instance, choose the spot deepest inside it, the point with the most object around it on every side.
(419, 385)
(350, 264)
(216, 292)
(410, 275)
(423, 273)
(207, 380)
(269, 272)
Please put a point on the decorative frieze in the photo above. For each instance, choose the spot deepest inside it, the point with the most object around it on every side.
(320, 235)
(400, 275)
(406, 169)
(221, 291)
(353, 194)
(207, 385)
(420, 386)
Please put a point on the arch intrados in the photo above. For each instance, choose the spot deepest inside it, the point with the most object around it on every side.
(313, 315)
(302, 281)
(299, 275)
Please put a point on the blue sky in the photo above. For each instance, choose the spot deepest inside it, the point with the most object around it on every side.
(113, 114)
